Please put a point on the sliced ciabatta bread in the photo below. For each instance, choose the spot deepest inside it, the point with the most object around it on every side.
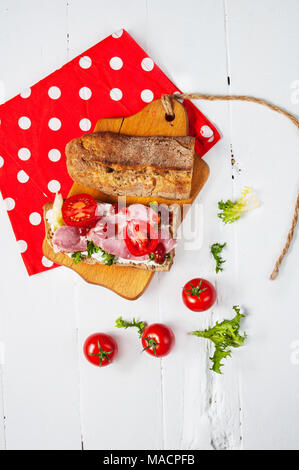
(102, 257)
(127, 165)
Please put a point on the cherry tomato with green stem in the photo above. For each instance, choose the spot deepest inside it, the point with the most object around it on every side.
(100, 349)
(199, 295)
(157, 340)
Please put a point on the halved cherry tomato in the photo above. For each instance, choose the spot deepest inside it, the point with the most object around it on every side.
(159, 253)
(100, 349)
(79, 210)
(199, 295)
(157, 339)
(141, 238)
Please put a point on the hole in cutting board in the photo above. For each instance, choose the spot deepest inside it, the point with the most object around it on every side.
(169, 118)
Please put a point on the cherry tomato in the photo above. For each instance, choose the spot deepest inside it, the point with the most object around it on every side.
(140, 237)
(79, 210)
(157, 339)
(159, 253)
(199, 295)
(100, 349)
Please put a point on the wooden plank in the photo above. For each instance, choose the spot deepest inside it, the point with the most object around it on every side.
(265, 147)
(201, 410)
(116, 400)
(40, 374)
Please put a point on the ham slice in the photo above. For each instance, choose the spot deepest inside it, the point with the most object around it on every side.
(165, 238)
(68, 240)
(104, 209)
(141, 212)
(117, 246)
(108, 234)
(105, 228)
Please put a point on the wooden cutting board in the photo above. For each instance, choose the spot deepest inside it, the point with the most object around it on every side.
(130, 282)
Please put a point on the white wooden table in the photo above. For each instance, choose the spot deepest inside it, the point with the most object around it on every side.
(50, 396)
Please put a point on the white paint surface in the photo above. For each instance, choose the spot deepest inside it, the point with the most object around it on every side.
(50, 396)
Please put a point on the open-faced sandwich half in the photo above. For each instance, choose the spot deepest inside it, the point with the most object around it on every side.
(90, 231)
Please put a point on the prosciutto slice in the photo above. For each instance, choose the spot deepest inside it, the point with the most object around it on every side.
(68, 240)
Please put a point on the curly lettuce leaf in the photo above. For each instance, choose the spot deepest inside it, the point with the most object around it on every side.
(91, 248)
(225, 335)
(107, 257)
(216, 249)
(77, 257)
(232, 211)
(121, 323)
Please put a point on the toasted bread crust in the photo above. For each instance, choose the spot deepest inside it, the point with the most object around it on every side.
(130, 165)
(165, 267)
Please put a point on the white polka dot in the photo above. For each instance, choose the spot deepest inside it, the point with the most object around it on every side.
(116, 63)
(46, 262)
(54, 92)
(35, 218)
(211, 139)
(24, 122)
(147, 96)
(85, 62)
(116, 94)
(54, 124)
(9, 203)
(24, 154)
(85, 124)
(22, 246)
(118, 34)
(1, 162)
(54, 155)
(54, 186)
(26, 93)
(206, 132)
(85, 93)
(147, 64)
(22, 176)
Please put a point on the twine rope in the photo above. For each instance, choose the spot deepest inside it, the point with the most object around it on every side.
(167, 101)
(288, 241)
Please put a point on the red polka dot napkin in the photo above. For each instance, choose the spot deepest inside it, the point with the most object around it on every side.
(113, 78)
